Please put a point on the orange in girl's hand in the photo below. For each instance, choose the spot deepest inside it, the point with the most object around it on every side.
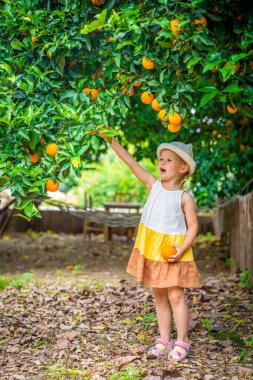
(167, 250)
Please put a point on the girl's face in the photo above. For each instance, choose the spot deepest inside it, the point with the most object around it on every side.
(170, 165)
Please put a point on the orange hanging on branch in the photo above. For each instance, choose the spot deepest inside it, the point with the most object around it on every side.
(98, 3)
(146, 97)
(147, 63)
(52, 185)
(52, 149)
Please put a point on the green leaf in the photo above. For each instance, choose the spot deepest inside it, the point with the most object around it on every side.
(16, 44)
(68, 94)
(208, 97)
(61, 63)
(6, 67)
(193, 61)
(195, 2)
(236, 57)
(165, 44)
(232, 88)
(95, 24)
(208, 89)
(117, 59)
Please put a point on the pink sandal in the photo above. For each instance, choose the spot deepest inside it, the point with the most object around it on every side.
(161, 347)
(179, 351)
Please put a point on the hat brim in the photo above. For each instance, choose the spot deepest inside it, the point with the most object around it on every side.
(190, 162)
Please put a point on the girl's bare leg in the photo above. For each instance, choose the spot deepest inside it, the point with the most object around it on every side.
(180, 311)
(164, 312)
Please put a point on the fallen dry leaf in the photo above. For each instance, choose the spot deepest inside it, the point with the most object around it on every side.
(120, 362)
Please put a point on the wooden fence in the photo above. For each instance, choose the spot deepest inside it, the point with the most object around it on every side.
(62, 221)
(234, 222)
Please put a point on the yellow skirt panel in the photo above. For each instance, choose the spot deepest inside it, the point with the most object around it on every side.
(150, 243)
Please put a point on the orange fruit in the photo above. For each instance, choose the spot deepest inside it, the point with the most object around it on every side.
(97, 74)
(52, 185)
(167, 251)
(98, 3)
(52, 149)
(137, 84)
(34, 40)
(94, 94)
(100, 29)
(42, 139)
(237, 67)
(175, 118)
(86, 90)
(174, 127)
(92, 132)
(131, 92)
(242, 147)
(124, 91)
(118, 75)
(147, 63)
(178, 73)
(202, 22)
(110, 39)
(101, 134)
(162, 114)
(174, 27)
(146, 97)
(155, 105)
(34, 158)
(214, 133)
(232, 110)
(99, 89)
(216, 9)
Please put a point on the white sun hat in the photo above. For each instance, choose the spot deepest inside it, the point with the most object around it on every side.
(182, 150)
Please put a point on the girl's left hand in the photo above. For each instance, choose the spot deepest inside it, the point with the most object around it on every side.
(177, 255)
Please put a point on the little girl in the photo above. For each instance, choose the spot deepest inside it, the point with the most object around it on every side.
(168, 219)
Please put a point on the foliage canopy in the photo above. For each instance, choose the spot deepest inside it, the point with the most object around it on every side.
(69, 68)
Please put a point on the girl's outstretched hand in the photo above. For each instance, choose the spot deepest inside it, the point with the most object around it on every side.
(108, 139)
(177, 255)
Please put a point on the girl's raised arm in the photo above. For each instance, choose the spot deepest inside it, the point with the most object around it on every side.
(145, 177)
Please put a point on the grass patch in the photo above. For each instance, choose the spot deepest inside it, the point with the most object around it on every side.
(15, 281)
(60, 373)
(129, 373)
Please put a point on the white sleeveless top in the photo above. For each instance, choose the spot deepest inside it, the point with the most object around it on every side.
(162, 211)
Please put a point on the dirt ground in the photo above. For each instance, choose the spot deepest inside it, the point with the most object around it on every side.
(68, 310)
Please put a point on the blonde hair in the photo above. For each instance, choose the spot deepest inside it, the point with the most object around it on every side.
(183, 180)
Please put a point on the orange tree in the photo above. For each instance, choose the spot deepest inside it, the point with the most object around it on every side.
(73, 70)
